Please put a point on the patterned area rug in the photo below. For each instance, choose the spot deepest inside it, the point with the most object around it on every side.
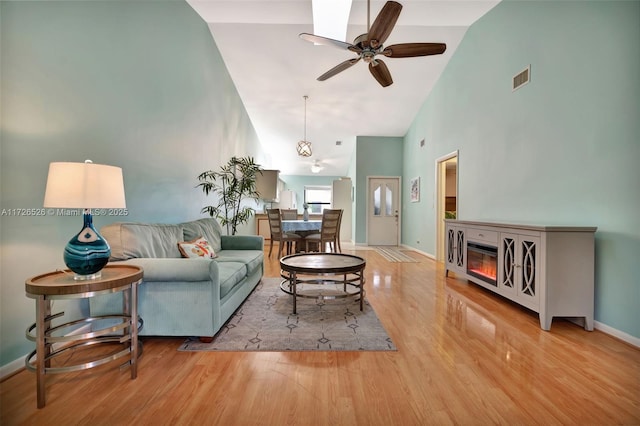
(393, 254)
(264, 322)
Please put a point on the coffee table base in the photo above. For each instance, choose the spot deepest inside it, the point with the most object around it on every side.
(350, 288)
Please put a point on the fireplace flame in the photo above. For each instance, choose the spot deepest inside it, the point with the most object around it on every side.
(486, 269)
(482, 264)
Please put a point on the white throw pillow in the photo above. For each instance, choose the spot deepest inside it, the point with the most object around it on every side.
(197, 248)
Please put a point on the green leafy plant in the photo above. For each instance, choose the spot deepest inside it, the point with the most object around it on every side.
(234, 183)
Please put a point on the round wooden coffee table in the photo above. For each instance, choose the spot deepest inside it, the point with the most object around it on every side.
(323, 268)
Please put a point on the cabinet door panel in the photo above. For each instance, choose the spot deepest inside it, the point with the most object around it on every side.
(456, 246)
(263, 228)
(507, 263)
(528, 255)
(451, 244)
(461, 247)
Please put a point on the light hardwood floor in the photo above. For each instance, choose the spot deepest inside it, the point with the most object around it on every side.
(465, 356)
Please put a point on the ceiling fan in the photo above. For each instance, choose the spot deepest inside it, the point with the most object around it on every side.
(316, 167)
(368, 45)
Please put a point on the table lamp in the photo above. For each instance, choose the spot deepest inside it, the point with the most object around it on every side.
(85, 186)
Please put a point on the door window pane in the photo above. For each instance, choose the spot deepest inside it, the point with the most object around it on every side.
(376, 201)
(388, 201)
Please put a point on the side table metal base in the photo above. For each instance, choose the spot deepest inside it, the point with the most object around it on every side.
(53, 341)
(77, 341)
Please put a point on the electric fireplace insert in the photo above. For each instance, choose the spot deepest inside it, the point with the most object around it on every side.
(482, 262)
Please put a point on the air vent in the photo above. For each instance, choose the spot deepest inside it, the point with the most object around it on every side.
(338, 143)
(421, 143)
(522, 78)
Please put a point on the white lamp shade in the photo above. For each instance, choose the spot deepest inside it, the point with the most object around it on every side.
(84, 186)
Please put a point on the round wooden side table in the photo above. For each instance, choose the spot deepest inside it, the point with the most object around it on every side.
(74, 334)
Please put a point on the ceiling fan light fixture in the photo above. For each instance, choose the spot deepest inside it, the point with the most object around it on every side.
(316, 167)
(304, 146)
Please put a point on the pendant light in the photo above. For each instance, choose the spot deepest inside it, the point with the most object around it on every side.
(304, 146)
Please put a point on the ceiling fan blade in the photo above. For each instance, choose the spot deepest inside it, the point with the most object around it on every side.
(338, 68)
(384, 23)
(409, 50)
(329, 42)
(380, 72)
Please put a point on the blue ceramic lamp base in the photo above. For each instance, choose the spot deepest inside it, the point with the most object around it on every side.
(88, 252)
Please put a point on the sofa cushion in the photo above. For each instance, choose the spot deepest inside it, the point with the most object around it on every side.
(177, 270)
(231, 274)
(207, 228)
(135, 240)
(253, 259)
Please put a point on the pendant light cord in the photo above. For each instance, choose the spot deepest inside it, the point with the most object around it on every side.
(305, 117)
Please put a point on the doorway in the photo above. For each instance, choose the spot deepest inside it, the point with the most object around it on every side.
(383, 211)
(447, 199)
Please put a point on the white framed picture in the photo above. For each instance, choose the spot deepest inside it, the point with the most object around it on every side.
(415, 189)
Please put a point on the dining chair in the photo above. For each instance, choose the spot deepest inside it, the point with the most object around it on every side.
(283, 238)
(289, 214)
(337, 242)
(328, 231)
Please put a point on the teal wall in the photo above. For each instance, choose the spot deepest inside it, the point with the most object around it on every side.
(352, 174)
(563, 149)
(139, 85)
(375, 156)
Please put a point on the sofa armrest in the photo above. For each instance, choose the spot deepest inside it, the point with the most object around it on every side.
(242, 242)
(177, 270)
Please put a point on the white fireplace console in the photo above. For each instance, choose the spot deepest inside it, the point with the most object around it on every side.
(548, 269)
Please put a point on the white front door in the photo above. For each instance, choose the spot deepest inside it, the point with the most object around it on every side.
(383, 216)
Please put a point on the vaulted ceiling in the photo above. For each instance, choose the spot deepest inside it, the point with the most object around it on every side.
(273, 69)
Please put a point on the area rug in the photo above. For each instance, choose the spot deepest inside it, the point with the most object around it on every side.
(393, 254)
(265, 322)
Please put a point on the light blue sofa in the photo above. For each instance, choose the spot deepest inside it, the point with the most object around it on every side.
(178, 296)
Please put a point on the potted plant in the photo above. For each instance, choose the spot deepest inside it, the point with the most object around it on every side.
(233, 184)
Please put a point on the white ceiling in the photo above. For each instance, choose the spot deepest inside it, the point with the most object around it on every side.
(273, 69)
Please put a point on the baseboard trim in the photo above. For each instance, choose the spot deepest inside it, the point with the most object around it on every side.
(429, 255)
(621, 335)
(12, 368)
(18, 365)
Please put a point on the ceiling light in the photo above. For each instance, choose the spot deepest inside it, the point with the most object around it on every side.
(331, 17)
(316, 167)
(304, 146)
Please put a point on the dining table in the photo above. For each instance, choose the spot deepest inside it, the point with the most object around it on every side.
(300, 226)
(303, 228)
